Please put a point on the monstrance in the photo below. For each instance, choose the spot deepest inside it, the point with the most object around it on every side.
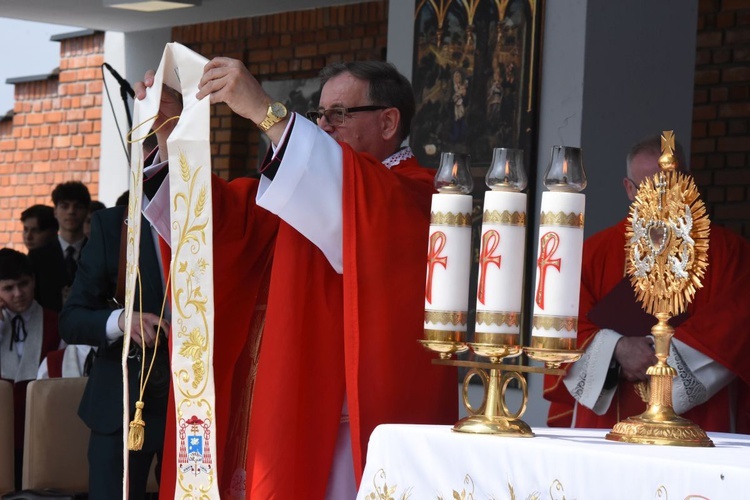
(667, 255)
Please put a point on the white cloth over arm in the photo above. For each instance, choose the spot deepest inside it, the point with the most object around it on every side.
(698, 377)
(307, 189)
(585, 378)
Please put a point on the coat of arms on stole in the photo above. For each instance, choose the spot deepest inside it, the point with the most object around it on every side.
(195, 455)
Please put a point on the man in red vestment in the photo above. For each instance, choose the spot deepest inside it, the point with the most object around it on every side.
(709, 349)
(339, 352)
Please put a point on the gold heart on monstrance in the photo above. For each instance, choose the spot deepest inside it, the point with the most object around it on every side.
(658, 234)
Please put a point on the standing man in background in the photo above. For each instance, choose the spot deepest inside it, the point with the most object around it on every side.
(91, 317)
(55, 263)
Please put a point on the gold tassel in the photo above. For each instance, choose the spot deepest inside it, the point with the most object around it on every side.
(136, 432)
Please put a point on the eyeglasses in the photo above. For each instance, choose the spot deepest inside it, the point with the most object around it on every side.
(337, 116)
(635, 184)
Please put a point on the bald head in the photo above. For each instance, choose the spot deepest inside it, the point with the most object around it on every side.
(643, 162)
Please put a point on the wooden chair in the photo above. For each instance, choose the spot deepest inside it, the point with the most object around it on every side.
(7, 468)
(56, 439)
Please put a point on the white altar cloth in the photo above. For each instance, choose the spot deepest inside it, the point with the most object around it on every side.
(432, 462)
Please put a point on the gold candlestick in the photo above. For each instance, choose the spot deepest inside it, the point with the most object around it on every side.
(493, 416)
(667, 252)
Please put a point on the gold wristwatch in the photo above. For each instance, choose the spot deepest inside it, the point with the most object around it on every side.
(276, 112)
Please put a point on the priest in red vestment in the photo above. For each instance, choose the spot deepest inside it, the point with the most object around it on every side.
(343, 281)
(709, 349)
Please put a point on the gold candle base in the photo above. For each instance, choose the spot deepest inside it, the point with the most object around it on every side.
(480, 424)
(496, 346)
(493, 416)
(444, 342)
(553, 351)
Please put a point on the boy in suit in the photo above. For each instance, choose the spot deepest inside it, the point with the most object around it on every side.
(55, 263)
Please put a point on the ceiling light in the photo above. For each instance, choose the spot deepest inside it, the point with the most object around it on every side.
(151, 5)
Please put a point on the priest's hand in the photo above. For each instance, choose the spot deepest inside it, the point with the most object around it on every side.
(229, 81)
(145, 327)
(635, 355)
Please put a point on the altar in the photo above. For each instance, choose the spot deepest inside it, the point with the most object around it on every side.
(432, 462)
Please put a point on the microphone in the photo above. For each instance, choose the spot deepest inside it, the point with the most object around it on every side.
(123, 82)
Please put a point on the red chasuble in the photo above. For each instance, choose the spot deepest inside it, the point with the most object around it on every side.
(328, 334)
(325, 334)
(714, 326)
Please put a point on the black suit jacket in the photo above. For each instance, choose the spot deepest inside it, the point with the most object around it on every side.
(84, 317)
(51, 275)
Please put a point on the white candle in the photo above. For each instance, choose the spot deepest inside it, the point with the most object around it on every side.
(558, 270)
(448, 263)
(501, 263)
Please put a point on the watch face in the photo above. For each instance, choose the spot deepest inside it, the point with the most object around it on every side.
(278, 109)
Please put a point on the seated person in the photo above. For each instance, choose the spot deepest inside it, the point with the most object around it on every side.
(27, 334)
(709, 349)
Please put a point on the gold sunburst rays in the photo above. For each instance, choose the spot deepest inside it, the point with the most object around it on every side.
(667, 242)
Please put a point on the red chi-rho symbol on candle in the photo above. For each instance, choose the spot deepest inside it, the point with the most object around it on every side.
(437, 244)
(490, 241)
(548, 244)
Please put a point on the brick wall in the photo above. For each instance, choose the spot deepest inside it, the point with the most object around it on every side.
(721, 117)
(283, 46)
(55, 133)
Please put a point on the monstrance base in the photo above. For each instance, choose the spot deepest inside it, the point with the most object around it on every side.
(481, 424)
(672, 431)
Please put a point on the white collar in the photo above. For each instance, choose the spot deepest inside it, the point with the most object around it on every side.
(399, 156)
(64, 245)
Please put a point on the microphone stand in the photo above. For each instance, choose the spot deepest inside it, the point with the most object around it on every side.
(124, 95)
(125, 90)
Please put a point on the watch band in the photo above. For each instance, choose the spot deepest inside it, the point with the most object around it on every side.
(276, 112)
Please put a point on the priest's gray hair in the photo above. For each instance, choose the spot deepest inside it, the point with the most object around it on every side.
(652, 145)
(388, 87)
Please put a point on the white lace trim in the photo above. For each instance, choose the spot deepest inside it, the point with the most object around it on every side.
(398, 157)
(687, 391)
(585, 379)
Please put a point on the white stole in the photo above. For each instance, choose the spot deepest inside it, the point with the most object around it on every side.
(191, 287)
